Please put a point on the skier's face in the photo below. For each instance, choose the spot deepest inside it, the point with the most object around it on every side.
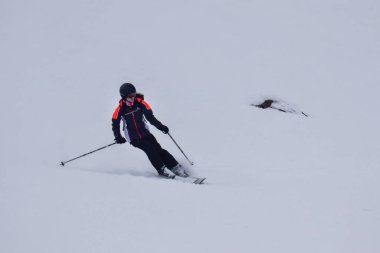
(130, 99)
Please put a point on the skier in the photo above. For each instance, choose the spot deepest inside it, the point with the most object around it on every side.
(133, 110)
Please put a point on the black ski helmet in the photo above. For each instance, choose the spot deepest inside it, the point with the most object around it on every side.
(126, 89)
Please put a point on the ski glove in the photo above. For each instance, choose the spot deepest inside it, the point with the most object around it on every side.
(120, 140)
(164, 129)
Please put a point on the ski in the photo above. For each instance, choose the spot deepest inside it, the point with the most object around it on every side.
(199, 180)
(190, 180)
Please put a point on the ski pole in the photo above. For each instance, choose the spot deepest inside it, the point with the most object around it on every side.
(63, 163)
(180, 149)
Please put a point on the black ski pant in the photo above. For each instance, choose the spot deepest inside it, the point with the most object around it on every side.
(156, 154)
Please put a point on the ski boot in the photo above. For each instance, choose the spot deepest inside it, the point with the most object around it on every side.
(179, 171)
(164, 172)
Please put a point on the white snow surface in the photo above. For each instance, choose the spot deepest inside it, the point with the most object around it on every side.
(276, 182)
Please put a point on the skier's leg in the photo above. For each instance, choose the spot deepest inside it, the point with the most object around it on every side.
(151, 151)
(166, 157)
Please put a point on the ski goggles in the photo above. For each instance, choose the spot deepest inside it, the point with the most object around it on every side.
(132, 95)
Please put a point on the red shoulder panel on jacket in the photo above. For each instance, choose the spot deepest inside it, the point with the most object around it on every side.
(116, 112)
(144, 103)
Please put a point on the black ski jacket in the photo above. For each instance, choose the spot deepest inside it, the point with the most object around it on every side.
(134, 120)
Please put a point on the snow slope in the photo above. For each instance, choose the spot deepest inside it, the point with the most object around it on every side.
(276, 182)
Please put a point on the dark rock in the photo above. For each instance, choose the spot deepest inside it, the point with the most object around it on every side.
(266, 104)
(280, 106)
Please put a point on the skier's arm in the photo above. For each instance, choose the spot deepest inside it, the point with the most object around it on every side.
(116, 118)
(147, 110)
